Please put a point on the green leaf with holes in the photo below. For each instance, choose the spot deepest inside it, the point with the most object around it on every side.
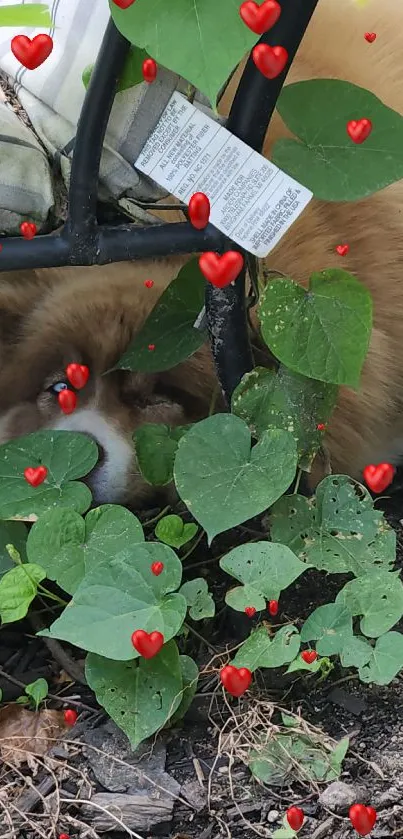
(324, 158)
(169, 327)
(18, 588)
(322, 333)
(356, 653)
(276, 760)
(268, 399)
(203, 59)
(223, 480)
(69, 547)
(156, 446)
(261, 650)
(338, 531)
(314, 667)
(33, 15)
(121, 595)
(331, 626)
(200, 602)
(132, 73)
(140, 696)
(174, 532)
(265, 569)
(377, 598)
(386, 660)
(11, 533)
(190, 676)
(67, 457)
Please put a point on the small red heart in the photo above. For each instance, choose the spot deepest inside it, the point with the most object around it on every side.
(379, 477)
(295, 817)
(70, 716)
(149, 70)
(359, 129)
(35, 475)
(31, 53)
(220, 271)
(362, 818)
(260, 18)
(199, 210)
(28, 229)
(370, 37)
(342, 249)
(250, 611)
(123, 4)
(67, 400)
(273, 607)
(157, 568)
(321, 426)
(309, 656)
(147, 644)
(270, 60)
(64, 836)
(235, 680)
(151, 347)
(78, 375)
(148, 283)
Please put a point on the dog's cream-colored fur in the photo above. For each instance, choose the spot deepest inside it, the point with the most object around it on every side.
(49, 318)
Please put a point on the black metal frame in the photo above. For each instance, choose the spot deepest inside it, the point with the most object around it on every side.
(83, 242)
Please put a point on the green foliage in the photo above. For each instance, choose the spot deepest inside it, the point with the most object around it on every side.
(18, 588)
(275, 763)
(324, 158)
(132, 71)
(203, 58)
(36, 14)
(172, 531)
(283, 399)
(169, 327)
(66, 455)
(15, 533)
(198, 598)
(260, 650)
(264, 568)
(223, 480)
(37, 691)
(322, 333)
(156, 446)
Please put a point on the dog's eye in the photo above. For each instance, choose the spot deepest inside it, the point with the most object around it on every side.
(57, 387)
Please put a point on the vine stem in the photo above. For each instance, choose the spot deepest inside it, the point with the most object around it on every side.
(297, 482)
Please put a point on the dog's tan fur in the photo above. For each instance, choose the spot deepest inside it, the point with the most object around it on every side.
(49, 318)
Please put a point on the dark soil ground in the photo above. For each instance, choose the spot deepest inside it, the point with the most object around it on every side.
(207, 789)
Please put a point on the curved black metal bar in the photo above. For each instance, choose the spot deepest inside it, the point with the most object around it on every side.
(249, 118)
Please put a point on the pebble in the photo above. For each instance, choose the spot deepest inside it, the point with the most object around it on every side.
(338, 797)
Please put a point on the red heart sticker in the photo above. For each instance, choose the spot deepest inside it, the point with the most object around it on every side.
(199, 210)
(31, 53)
(64, 836)
(78, 375)
(28, 229)
(220, 271)
(273, 607)
(362, 818)
(67, 400)
(342, 249)
(309, 656)
(235, 680)
(321, 426)
(370, 37)
(123, 4)
(379, 477)
(359, 129)
(157, 568)
(149, 69)
(70, 716)
(148, 283)
(250, 611)
(270, 60)
(260, 18)
(35, 475)
(147, 644)
(295, 817)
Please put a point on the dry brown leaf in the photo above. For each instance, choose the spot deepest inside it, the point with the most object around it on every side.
(24, 732)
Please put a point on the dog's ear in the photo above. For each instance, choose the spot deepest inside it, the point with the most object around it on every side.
(20, 291)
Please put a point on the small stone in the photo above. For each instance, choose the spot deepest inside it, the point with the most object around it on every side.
(273, 816)
(338, 797)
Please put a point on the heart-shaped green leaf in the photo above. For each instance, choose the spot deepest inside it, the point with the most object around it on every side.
(322, 333)
(68, 547)
(121, 595)
(66, 455)
(378, 597)
(268, 399)
(222, 480)
(330, 626)
(18, 589)
(200, 602)
(356, 652)
(265, 569)
(325, 159)
(37, 691)
(140, 696)
(339, 531)
(386, 660)
(169, 327)
(11, 533)
(260, 650)
(205, 58)
(172, 531)
(156, 446)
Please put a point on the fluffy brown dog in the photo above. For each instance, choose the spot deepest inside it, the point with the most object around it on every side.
(49, 318)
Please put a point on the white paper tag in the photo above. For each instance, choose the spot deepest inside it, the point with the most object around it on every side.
(252, 201)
